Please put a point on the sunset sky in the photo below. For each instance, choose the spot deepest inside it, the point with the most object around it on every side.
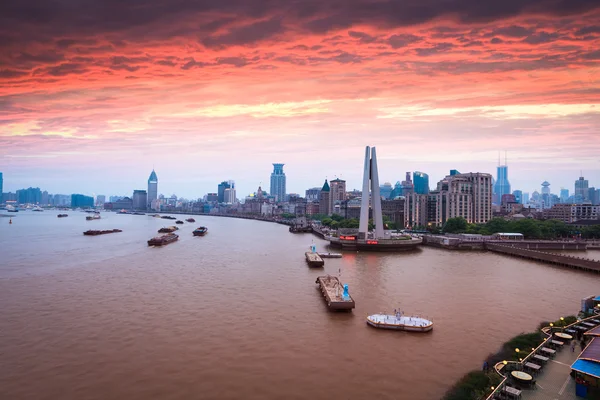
(94, 94)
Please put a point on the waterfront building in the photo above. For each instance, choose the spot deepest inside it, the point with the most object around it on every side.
(100, 200)
(386, 190)
(29, 196)
(518, 196)
(502, 185)
(112, 199)
(221, 191)
(393, 210)
(229, 196)
(60, 200)
(79, 200)
(312, 207)
(337, 194)
(212, 197)
(421, 182)
(278, 183)
(140, 200)
(152, 189)
(581, 190)
(124, 203)
(407, 185)
(324, 202)
(312, 194)
(45, 198)
(416, 210)
(571, 213)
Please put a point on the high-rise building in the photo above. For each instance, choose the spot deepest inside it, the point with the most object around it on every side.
(397, 191)
(337, 193)
(502, 186)
(278, 182)
(407, 185)
(324, 196)
(29, 196)
(564, 195)
(581, 190)
(591, 195)
(229, 196)
(45, 198)
(386, 190)
(100, 200)
(79, 200)
(518, 196)
(312, 194)
(525, 197)
(140, 200)
(152, 189)
(421, 182)
(546, 198)
(221, 191)
(415, 210)
(212, 197)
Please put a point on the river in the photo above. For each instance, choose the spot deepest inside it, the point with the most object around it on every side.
(237, 314)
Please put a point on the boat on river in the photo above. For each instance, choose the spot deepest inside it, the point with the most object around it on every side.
(400, 322)
(163, 239)
(92, 232)
(190, 220)
(62, 215)
(179, 222)
(200, 231)
(169, 229)
(91, 218)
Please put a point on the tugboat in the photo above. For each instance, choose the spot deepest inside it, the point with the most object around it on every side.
(400, 322)
(95, 233)
(162, 240)
(190, 220)
(179, 222)
(200, 231)
(62, 215)
(169, 229)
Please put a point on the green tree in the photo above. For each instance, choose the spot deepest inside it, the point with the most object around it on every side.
(455, 225)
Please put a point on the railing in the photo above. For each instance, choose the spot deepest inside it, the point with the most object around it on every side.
(548, 331)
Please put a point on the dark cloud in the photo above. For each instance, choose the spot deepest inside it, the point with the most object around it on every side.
(496, 40)
(398, 41)
(191, 63)
(587, 30)
(12, 73)
(47, 57)
(438, 48)
(594, 55)
(166, 63)
(235, 61)
(541, 37)
(363, 37)
(513, 31)
(62, 69)
(247, 34)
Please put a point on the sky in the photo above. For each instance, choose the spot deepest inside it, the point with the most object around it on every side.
(95, 94)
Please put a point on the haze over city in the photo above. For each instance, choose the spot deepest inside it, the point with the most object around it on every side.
(92, 97)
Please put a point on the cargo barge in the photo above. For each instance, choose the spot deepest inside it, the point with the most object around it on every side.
(200, 231)
(169, 229)
(336, 295)
(95, 232)
(162, 240)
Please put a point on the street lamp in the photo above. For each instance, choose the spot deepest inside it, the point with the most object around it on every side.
(551, 325)
(517, 350)
(562, 323)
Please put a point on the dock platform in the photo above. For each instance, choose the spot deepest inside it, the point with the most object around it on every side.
(335, 293)
(314, 260)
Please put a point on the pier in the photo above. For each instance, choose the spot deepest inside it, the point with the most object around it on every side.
(580, 263)
(335, 293)
(314, 260)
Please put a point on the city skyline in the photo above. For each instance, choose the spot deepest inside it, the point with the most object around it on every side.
(109, 93)
(211, 184)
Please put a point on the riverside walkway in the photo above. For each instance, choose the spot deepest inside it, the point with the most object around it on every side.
(580, 263)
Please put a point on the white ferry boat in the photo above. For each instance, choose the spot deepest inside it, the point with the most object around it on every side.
(400, 322)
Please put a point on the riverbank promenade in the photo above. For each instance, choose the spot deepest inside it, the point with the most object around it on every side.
(555, 383)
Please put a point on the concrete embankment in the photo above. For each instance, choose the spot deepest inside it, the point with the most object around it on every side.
(585, 264)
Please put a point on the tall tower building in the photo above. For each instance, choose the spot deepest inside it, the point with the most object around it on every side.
(564, 195)
(581, 190)
(518, 196)
(140, 200)
(421, 182)
(152, 189)
(221, 191)
(502, 186)
(278, 182)
(370, 181)
(324, 197)
(337, 193)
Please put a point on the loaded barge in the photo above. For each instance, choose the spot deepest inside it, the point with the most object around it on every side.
(162, 240)
(169, 229)
(96, 233)
(200, 231)
(335, 293)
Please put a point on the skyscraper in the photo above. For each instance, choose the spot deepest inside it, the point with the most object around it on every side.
(407, 185)
(337, 193)
(221, 191)
(564, 195)
(278, 182)
(581, 190)
(421, 182)
(152, 189)
(386, 190)
(502, 186)
(324, 196)
(140, 200)
(518, 196)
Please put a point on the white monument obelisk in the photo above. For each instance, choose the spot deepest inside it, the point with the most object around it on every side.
(370, 180)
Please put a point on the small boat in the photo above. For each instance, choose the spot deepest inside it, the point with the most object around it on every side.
(10, 208)
(62, 215)
(179, 222)
(168, 229)
(139, 213)
(163, 239)
(122, 211)
(92, 217)
(200, 231)
(95, 233)
(400, 322)
(167, 217)
(37, 208)
(190, 220)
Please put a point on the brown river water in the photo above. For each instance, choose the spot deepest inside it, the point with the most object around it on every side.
(236, 314)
